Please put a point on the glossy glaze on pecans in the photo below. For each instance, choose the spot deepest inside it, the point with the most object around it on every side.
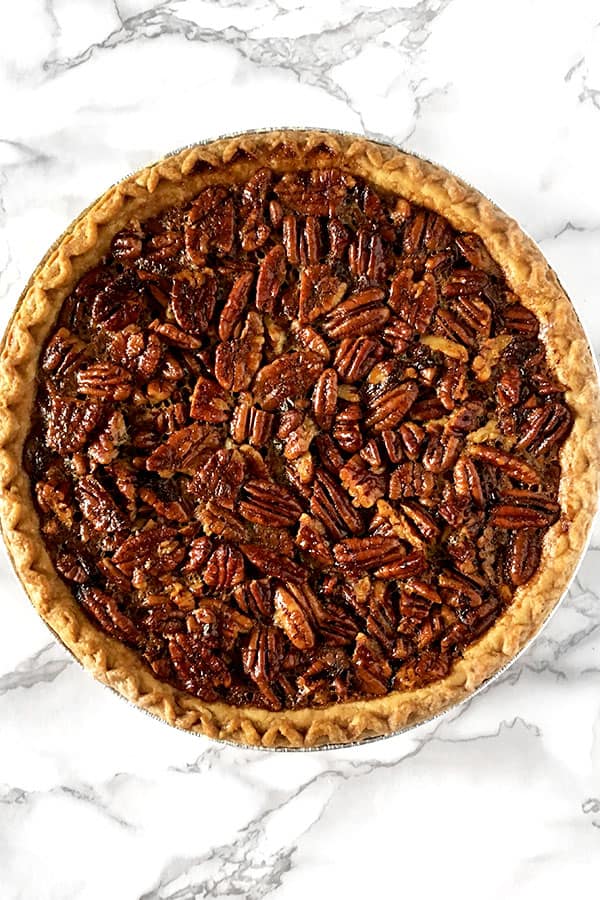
(296, 443)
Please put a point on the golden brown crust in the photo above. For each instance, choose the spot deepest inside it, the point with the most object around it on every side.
(175, 180)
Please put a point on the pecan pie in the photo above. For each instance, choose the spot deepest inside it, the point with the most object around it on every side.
(299, 439)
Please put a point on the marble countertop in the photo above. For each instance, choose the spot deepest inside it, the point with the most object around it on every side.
(500, 798)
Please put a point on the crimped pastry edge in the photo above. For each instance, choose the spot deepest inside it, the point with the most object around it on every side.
(176, 179)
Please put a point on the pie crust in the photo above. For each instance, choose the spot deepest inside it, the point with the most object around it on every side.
(174, 180)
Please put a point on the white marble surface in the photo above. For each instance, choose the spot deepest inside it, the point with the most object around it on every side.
(498, 799)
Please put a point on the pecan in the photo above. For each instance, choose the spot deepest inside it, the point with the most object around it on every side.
(545, 427)
(193, 298)
(334, 623)
(198, 668)
(370, 665)
(414, 302)
(248, 423)
(255, 598)
(267, 503)
(457, 590)
(329, 455)
(237, 360)
(273, 564)
(360, 314)
(311, 242)
(182, 450)
(382, 621)
(372, 455)
(271, 275)
(220, 478)
(452, 386)
(298, 440)
(97, 505)
(171, 334)
(397, 334)
(136, 351)
(291, 616)
(411, 479)
(105, 610)
(63, 353)
(513, 467)
(126, 246)
(523, 555)
(520, 320)
(411, 437)
(368, 553)
(224, 568)
(105, 447)
(330, 504)
(474, 313)
(312, 541)
(524, 509)
(217, 519)
(117, 305)
(287, 378)
(254, 230)
(235, 304)
(427, 410)
(364, 486)
(476, 253)
(155, 550)
(464, 282)
(289, 227)
(413, 563)
(316, 193)
(311, 340)
(70, 422)
(261, 660)
(210, 224)
(467, 482)
(422, 521)
(414, 231)
(320, 292)
(450, 326)
(72, 568)
(339, 238)
(324, 399)
(387, 408)
(355, 357)
(198, 553)
(441, 451)
(346, 430)
(230, 623)
(209, 401)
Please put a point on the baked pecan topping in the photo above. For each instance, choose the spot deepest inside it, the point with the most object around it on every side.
(296, 443)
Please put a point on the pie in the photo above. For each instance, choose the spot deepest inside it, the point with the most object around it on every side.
(300, 439)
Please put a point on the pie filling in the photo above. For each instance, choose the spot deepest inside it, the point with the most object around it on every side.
(296, 443)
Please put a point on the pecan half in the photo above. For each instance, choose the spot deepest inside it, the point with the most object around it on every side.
(291, 617)
(287, 378)
(268, 503)
(237, 360)
(182, 450)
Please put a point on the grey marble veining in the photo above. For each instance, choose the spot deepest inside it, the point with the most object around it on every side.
(501, 797)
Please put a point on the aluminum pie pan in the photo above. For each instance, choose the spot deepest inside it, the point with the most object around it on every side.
(488, 681)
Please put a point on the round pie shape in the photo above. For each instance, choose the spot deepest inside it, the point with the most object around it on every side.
(176, 181)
